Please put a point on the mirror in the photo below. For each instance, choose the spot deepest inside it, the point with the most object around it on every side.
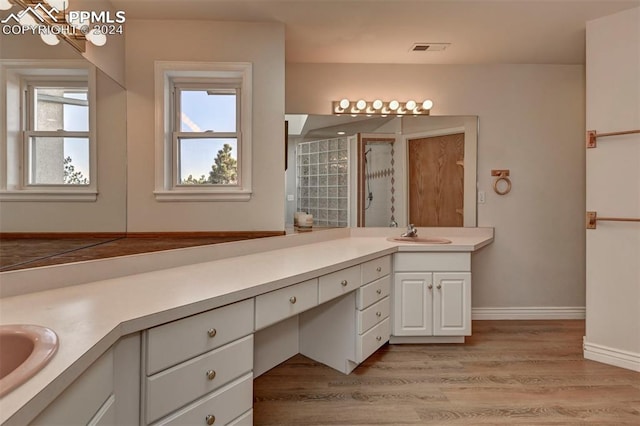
(382, 171)
(105, 218)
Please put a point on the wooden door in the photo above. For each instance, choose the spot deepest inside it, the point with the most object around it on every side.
(436, 180)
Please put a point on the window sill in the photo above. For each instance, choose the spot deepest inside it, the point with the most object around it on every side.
(201, 195)
(38, 195)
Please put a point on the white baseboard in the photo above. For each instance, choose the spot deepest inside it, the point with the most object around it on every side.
(529, 313)
(611, 356)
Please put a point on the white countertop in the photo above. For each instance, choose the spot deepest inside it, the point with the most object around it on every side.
(89, 318)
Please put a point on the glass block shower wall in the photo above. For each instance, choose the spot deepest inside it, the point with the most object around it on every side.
(323, 181)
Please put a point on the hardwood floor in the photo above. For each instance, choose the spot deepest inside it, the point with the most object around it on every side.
(508, 372)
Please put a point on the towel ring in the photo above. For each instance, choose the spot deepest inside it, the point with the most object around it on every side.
(503, 175)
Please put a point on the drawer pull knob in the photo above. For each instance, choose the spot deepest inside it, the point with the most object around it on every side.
(439, 286)
(293, 299)
(430, 286)
(378, 314)
(379, 291)
(378, 338)
(210, 419)
(212, 332)
(211, 374)
(379, 268)
(344, 283)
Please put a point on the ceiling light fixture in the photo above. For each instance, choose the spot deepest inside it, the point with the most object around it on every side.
(53, 22)
(379, 107)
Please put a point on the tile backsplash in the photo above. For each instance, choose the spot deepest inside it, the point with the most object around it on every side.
(323, 181)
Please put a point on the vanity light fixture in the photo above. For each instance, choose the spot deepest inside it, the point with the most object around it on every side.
(53, 22)
(383, 108)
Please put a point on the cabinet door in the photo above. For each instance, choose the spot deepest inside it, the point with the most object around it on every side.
(452, 304)
(412, 304)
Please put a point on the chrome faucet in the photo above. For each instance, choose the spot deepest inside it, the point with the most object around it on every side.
(411, 232)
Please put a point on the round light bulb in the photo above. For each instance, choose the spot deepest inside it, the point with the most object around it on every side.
(377, 104)
(361, 104)
(50, 39)
(5, 5)
(27, 20)
(411, 105)
(344, 103)
(96, 37)
(394, 105)
(427, 104)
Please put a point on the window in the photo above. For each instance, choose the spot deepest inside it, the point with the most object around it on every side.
(204, 137)
(56, 141)
(48, 140)
(206, 134)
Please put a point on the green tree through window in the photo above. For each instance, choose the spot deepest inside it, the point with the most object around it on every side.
(225, 168)
(71, 176)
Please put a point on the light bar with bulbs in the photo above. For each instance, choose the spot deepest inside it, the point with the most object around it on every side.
(379, 107)
(52, 15)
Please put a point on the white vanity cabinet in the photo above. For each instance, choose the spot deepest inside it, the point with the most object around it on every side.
(345, 330)
(198, 370)
(431, 297)
(106, 393)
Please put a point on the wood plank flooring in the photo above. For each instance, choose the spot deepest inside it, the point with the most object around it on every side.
(508, 372)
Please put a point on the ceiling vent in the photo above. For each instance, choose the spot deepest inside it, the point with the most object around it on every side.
(429, 47)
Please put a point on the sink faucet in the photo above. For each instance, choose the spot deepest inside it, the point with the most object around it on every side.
(411, 231)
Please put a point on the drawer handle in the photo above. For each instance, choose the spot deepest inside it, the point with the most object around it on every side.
(212, 332)
(379, 268)
(378, 338)
(344, 283)
(379, 291)
(439, 286)
(293, 299)
(378, 314)
(430, 286)
(210, 419)
(211, 374)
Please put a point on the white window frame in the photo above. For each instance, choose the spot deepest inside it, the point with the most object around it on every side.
(31, 132)
(168, 74)
(178, 134)
(15, 77)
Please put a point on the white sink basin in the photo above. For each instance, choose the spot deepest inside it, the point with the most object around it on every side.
(419, 240)
(24, 350)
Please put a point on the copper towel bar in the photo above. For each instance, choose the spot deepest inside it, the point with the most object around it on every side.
(592, 218)
(592, 135)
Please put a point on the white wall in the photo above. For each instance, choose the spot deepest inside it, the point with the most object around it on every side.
(531, 120)
(258, 43)
(613, 189)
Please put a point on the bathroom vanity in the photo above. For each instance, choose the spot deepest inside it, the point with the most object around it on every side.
(182, 345)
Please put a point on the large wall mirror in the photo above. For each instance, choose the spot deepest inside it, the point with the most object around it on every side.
(382, 171)
(105, 217)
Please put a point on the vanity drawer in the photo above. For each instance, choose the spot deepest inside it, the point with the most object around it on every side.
(338, 283)
(177, 386)
(370, 341)
(373, 315)
(372, 292)
(177, 341)
(376, 268)
(244, 420)
(225, 405)
(286, 302)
